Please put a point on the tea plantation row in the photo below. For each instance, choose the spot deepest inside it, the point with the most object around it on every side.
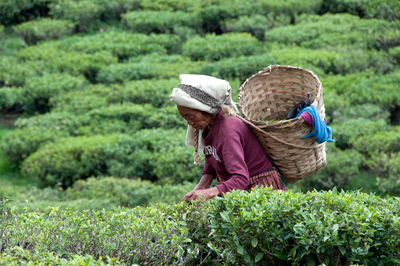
(243, 228)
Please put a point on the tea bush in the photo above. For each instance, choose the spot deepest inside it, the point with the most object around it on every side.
(328, 228)
(261, 227)
(255, 24)
(368, 87)
(387, 9)
(125, 192)
(43, 29)
(215, 47)
(11, 100)
(122, 44)
(18, 255)
(342, 166)
(52, 59)
(347, 132)
(82, 101)
(70, 159)
(148, 21)
(14, 12)
(387, 141)
(118, 73)
(39, 90)
(338, 30)
(23, 142)
(82, 13)
(152, 91)
(14, 73)
(387, 169)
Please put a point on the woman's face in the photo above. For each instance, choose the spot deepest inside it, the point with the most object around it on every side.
(195, 118)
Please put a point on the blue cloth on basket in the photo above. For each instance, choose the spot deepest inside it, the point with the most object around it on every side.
(321, 131)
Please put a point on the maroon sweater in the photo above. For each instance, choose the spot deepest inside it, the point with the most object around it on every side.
(233, 153)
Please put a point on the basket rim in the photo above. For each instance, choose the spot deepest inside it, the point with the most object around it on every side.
(267, 70)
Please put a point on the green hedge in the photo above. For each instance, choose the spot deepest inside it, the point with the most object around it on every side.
(387, 9)
(152, 91)
(23, 142)
(39, 90)
(215, 47)
(148, 21)
(43, 29)
(337, 30)
(67, 160)
(342, 166)
(109, 193)
(387, 169)
(349, 130)
(14, 73)
(16, 11)
(53, 59)
(82, 13)
(367, 87)
(255, 24)
(122, 44)
(124, 72)
(11, 100)
(262, 227)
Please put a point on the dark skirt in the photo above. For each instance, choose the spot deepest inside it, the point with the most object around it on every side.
(269, 178)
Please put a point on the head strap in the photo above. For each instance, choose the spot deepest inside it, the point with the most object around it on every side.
(200, 95)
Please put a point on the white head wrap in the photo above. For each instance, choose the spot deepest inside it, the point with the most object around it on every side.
(204, 93)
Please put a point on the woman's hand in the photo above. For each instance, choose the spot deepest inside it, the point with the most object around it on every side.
(202, 194)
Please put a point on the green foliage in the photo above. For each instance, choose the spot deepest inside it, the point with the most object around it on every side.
(53, 59)
(387, 9)
(255, 24)
(348, 131)
(341, 167)
(24, 142)
(10, 44)
(367, 87)
(387, 141)
(82, 13)
(336, 30)
(13, 73)
(118, 73)
(147, 21)
(329, 228)
(43, 29)
(67, 160)
(11, 99)
(153, 91)
(261, 227)
(122, 44)
(215, 47)
(13, 12)
(18, 255)
(39, 90)
(124, 192)
(387, 168)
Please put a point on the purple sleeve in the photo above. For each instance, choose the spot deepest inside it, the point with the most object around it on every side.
(208, 169)
(233, 157)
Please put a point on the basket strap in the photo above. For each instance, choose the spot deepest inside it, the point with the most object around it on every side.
(277, 139)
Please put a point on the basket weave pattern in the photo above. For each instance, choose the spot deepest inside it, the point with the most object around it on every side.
(268, 95)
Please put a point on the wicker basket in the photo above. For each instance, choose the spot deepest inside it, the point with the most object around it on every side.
(268, 95)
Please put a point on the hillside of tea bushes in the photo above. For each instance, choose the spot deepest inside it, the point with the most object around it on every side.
(86, 126)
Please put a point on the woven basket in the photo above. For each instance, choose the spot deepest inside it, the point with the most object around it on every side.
(269, 95)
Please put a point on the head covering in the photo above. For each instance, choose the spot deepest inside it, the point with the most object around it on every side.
(203, 93)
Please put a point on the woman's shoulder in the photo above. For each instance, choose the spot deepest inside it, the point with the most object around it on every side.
(233, 124)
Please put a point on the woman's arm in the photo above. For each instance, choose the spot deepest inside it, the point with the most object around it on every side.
(204, 182)
(202, 189)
